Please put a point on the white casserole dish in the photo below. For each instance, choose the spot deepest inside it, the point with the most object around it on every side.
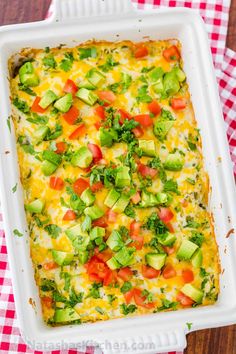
(117, 20)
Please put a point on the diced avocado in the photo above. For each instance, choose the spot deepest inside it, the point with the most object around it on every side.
(156, 74)
(179, 74)
(48, 168)
(114, 241)
(107, 136)
(161, 128)
(40, 133)
(83, 256)
(27, 75)
(82, 158)
(148, 199)
(125, 256)
(96, 232)
(197, 259)
(88, 197)
(148, 147)
(113, 264)
(64, 103)
(48, 98)
(121, 204)
(111, 198)
(94, 212)
(87, 96)
(62, 258)
(194, 293)
(156, 260)
(171, 83)
(87, 85)
(163, 198)
(158, 87)
(122, 177)
(95, 77)
(167, 239)
(51, 157)
(79, 238)
(186, 250)
(174, 162)
(36, 206)
(67, 314)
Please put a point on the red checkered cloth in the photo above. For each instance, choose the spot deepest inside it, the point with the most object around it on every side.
(215, 15)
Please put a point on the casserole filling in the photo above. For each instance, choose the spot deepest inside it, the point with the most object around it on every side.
(115, 191)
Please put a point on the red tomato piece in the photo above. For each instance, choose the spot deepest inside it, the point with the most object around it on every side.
(165, 214)
(111, 216)
(134, 228)
(70, 87)
(184, 300)
(169, 272)
(101, 222)
(56, 183)
(123, 115)
(96, 152)
(104, 255)
(61, 147)
(149, 272)
(35, 106)
(170, 227)
(47, 301)
(144, 119)
(141, 51)
(50, 265)
(138, 132)
(96, 186)
(69, 215)
(72, 115)
(80, 185)
(128, 296)
(125, 273)
(136, 198)
(98, 125)
(98, 268)
(140, 299)
(169, 250)
(146, 171)
(154, 108)
(178, 103)
(110, 278)
(107, 96)
(171, 53)
(80, 131)
(100, 112)
(187, 275)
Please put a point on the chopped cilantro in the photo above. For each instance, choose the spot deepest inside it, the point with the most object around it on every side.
(17, 233)
(67, 62)
(109, 64)
(53, 230)
(94, 291)
(111, 298)
(189, 325)
(47, 285)
(126, 309)
(191, 181)
(9, 123)
(191, 223)
(85, 53)
(75, 298)
(67, 278)
(26, 89)
(21, 105)
(54, 134)
(167, 305)
(49, 61)
(37, 119)
(197, 237)
(127, 286)
(155, 224)
(171, 186)
(165, 114)
(143, 95)
(203, 273)
(14, 188)
(129, 211)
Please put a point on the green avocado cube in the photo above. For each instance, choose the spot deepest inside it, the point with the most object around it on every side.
(83, 256)
(87, 96)
(125, 256)
(161, 128)
(111, 198)
(27, 75)
(107, 136)
(94, 212)
(148, 147)
(156, 260)
(96, 232)
(167, 239)
(82, 158)
(148, 199)
(171, 83)
(113, 264)
(48, 98)
(64, 103)
(87, 85)
(88, 197)
(67, 314)
(62, 258)
(79, 238)
(122, 177)
(156, 74)
(114, 241)
(194, 293)
(48, 168)
(162, 198)
(36, 206)
(121, 204)
(186, 250)
(197, 259)
(52, 157)
(179, 74)
(95, 77)
(174, 162)
(158, 87)
(40, 133)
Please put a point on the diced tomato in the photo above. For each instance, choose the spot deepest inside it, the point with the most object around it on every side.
(134, 228)
(135, 235)
(138, 132)
(96, 186)
(61, 147)
(101, 222)
(80, 131)
(110, 278)
(171, 53)
(178, 103)
(140, 299)
(169, 250)
(184, 300)
(70, 87)
(169, 272)
(35, 106)
(144, 119)
(111, 216)
(104, 255)
(170, 227)
(136, 198)
(165, 214)
(141, 51)
(98, 268)
(187, 275)
(47, 301)
(100, 112)
(95, 278)
(69, 215)
(98, 125)
(96, 152)
(154, 107)
(50, 265)
(56, 183)
(146, 171)
(80, 185)
(107, 96)
(72, 115)
(125, 273)
(149, 272)
(123, 115)
(128, 296)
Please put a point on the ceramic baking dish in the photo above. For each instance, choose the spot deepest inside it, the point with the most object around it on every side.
(76, 21)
